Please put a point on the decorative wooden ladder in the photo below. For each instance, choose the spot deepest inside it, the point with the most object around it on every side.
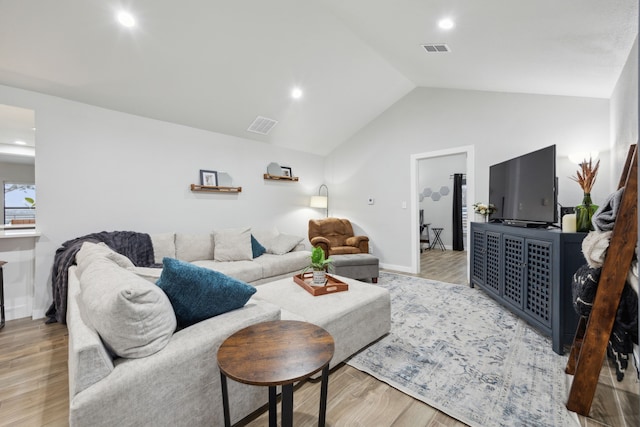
(592, 335)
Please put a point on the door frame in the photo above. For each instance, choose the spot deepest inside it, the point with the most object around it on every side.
(415, 225)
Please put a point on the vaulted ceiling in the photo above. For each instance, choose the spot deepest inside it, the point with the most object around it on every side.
(217, 65)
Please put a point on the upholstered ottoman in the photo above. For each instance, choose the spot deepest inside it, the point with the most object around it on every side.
(356, 266)
(355, 318)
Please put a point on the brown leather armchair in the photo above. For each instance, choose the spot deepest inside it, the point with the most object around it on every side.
(335, 237)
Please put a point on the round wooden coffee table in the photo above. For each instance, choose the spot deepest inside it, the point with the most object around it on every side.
(276, 353)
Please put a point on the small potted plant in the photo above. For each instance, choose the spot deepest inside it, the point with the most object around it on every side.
(484, 210)
(319, 264)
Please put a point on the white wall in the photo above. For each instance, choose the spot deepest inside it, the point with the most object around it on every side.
(435, 173)
(624, 114)
(98, 169)
(376, 161)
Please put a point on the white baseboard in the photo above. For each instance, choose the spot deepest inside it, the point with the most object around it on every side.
(401, 268)
(39, 313)
(18, 312)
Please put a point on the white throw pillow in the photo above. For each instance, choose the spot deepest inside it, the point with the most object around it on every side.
(265, 234)
(282, 244)
(233, 245)
(194, 247)
(133, 317)
(164, 245)
(89, 252)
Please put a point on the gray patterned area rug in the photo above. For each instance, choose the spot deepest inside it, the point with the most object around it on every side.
(459, 351)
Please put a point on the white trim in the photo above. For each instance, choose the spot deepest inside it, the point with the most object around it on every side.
(401, 268)
(38, 314)
(415, 238)
(19, 311)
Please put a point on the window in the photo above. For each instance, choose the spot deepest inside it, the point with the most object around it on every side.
(19, 203)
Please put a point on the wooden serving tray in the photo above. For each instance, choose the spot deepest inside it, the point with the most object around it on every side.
(333, 285)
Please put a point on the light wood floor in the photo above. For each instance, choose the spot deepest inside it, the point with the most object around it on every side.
(34, 388)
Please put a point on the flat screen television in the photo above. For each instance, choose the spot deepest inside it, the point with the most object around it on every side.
(523, 189)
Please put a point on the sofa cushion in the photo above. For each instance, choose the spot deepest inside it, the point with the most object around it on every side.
(282, 243)
(164, 245)
(247, 271)
(256, 248)
(233, 245)
(193, 247)
(276, 265)
(132, 316)
(198, 293)
(151, 274)
(91, 251)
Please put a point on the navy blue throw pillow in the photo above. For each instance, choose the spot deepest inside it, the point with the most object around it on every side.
(256, 247)
(198, 293)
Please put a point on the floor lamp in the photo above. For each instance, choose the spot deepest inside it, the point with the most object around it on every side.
(321, 201)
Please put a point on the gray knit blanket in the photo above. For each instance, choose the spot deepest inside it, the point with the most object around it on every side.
(605, 217)
(135, 246)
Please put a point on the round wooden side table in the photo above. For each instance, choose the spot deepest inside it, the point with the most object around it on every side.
(276, 353)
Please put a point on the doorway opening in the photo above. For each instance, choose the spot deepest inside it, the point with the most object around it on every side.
(424, 198)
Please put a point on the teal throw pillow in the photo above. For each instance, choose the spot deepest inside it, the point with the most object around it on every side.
(256, 247)
(198, 293)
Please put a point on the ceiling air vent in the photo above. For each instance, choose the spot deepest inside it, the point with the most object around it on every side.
(262, 125)
(436, 48)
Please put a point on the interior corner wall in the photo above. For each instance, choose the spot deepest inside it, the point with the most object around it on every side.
(624, 113)
(624, 129)
(376, 161)
(98, 169)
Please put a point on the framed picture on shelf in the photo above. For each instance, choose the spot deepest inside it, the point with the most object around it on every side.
(286, 171)
(208, 178)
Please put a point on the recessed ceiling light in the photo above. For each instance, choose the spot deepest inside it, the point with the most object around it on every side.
(296, 93)
(20, 143)
(126, 19)
(446, 23)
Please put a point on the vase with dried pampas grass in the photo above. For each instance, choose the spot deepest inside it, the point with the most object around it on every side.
(586, 177)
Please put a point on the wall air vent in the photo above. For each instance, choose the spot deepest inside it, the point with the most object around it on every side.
(262, 125)
(436, 48)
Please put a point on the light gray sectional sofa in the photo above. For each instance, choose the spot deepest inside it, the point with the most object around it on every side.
(285, 254)
(129, 366)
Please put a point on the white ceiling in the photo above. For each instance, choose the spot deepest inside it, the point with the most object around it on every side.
(216, 65)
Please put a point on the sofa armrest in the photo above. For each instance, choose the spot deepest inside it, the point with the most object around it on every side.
(180, 384)
(88, 359)
(360, 242)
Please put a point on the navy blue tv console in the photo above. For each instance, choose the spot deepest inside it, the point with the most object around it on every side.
(529, 271)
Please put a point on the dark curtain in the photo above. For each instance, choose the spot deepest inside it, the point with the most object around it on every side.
(458, 240)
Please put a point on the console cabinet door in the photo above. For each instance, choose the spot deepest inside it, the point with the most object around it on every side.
(539, 281)
(477, 256)
(514, 262)
(492, 262)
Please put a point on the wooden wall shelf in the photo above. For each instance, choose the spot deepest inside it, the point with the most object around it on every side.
(280, 178)
(215, 189)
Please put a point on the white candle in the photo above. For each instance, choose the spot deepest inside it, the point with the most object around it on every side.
(569, 223)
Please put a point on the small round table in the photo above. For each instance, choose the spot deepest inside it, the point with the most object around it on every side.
(280, 352)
